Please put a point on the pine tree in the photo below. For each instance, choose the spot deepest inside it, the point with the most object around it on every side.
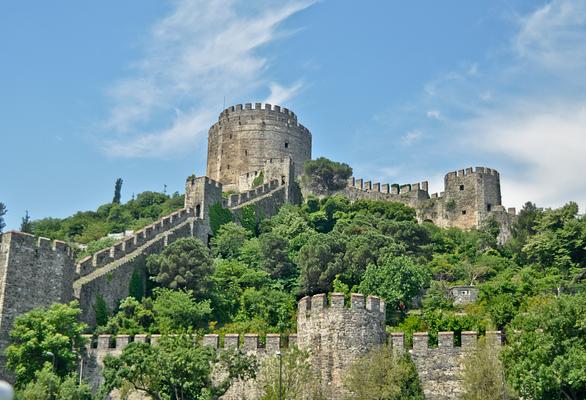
(117, 191)
(2, 213)
(26, 225)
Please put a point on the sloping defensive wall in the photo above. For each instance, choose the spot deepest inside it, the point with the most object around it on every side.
(37, 272)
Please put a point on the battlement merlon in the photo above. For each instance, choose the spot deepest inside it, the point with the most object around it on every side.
(470, 171)
(249, 342)
(41, 243)
(315, 304)
(238, 109)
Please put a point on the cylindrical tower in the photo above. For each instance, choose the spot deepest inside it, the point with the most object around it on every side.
(336, 336)
(245, 137)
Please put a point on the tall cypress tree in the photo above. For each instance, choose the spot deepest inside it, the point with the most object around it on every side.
(117, 191)
(26, 225)
(2, 213)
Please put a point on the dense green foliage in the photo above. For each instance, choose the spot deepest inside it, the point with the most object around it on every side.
(251, 278)
(546, 355)
(219, 216)
(184, 264)
(45, 335)
(178, 368)
(483, 376)
(324, 175)
(383, 374)
(49, 386)
(89, 226)
(298, 379)
(167, 311)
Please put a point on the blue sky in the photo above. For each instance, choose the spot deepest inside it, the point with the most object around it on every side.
(402, 91)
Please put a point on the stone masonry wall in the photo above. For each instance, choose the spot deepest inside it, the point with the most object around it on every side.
(33, 272)
(244, 137)
(332, 350)
(470, 196)
(111, 281)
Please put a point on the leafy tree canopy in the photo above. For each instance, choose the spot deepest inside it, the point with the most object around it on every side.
(43, 335)
(326, 175)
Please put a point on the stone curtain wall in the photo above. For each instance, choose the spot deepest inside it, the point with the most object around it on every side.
(111, 281)
(470, 196)
(245, 137)
(33, 272)
(439, 368)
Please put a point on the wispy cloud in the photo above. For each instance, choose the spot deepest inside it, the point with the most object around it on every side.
(281, 94)
(433, 114)
(525, 114)
(411, 137)
(199, 53)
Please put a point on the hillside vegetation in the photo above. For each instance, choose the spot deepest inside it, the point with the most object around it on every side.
(533, 287)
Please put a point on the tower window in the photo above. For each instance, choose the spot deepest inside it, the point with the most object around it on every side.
(245, 152)
(230, 136)
(489, 207)
(228, 166)
(463, 212)
(286, 145)
(461, 187)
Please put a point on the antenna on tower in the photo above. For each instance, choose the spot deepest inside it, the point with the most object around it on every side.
(224, 103)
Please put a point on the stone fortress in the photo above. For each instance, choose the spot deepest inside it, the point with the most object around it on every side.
(255, 155)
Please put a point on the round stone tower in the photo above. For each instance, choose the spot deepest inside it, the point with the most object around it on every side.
(245, 137)
(335, 335)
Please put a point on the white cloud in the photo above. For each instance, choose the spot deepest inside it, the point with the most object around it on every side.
(280, 95)
(411, 137)
(433, 114)
(554, 34)
(525, 115)
(202, 51)
(546, 145)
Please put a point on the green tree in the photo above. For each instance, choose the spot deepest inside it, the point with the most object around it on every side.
(170, 311)
(231, 278)
(274, 307)
(177, 368)
(383, 374)
(2, 214)
(298, 379)
(324, 175)
(275, 256)
(26, 224)
(397, 280)
(43, 335)
(117, 191)
(101, 310)
(49, 386)
(483, 376)
(184, 264)
(227, 243)
(546, 353)
(320, 261)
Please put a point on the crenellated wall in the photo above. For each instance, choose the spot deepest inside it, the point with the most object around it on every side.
(470, 196)
(111, 282)
(246, 136)
(335, 335)
(128, 245)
